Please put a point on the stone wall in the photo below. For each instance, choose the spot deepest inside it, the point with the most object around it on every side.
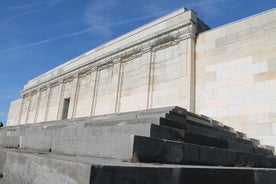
(236, 75)
(228, 73)
(152, 66)
(13, 116)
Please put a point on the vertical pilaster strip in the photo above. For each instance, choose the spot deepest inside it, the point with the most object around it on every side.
(76, 87)
(119, 88)
(60, 100)
(21, 109)
(48, 96)
(151, 80)
(29, 108)
(95, 92)
(37, 106)
(191, 59)
(193, 76)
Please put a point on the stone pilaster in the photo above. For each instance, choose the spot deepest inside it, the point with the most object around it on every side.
(74, 96)
(48, 95)
(93, 108)
(151, 79)
(119, 88)
(37, 105)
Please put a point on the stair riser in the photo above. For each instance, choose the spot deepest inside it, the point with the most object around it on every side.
(233, 142)
(159, 151)
(163, 132)
(177, 118)
(25, 168)
(137, 175)
(30, 168)
(103, 141)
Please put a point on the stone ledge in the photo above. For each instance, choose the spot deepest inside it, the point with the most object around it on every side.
(88, 170)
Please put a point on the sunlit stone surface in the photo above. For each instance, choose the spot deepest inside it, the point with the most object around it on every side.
(228, 73)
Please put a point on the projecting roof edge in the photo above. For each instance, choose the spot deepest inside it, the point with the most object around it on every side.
(90, 56)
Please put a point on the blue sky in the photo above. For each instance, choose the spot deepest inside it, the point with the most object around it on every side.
(38, 35)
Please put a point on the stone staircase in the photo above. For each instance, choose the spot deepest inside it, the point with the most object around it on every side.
(163, 145)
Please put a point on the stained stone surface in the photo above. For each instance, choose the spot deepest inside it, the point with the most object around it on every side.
(227, 73)
(143, 69)
(164, 145)
(235, 75)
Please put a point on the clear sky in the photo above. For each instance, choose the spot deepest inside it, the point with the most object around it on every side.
(38, 35)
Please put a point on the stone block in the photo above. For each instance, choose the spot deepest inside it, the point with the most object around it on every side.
(115, 146)
(9, 141)
(3, 155)
(265, 176)
(233, 142)
(162, 132)
(177, 175)
(36, 142)
(34, 169)
(206, 126)
(171, 152)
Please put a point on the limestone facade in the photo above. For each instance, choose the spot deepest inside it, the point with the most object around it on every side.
(152, 66)
(236, 75)
(228, 73)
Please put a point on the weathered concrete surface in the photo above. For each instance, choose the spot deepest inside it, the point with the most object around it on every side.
(164, 132)
(3, 156)
(111, 135)
(38, 168)
(173, 152)
(135, 147)
(235, 75)
(181, 175)
(33, 168)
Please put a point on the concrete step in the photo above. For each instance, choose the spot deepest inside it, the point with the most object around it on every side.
(15, 136)
(58, 135)
(74, 141)
(45, 168)
(147, 149)
(181, 175)
(126, 146)
(106, 141)
(147, 146)
(177, 118)
(234, 143)
(39, 168)
(205, 121)
(102, 134)
(208, 122)
(164, 132)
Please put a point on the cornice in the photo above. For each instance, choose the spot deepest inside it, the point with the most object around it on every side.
(157, 42)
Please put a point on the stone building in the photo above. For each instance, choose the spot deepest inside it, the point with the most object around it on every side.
(227, 73)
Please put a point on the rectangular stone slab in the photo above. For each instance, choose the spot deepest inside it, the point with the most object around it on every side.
(180, 175)
(234, 142)
(172, 152)
(32, 167)
(163, 132)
